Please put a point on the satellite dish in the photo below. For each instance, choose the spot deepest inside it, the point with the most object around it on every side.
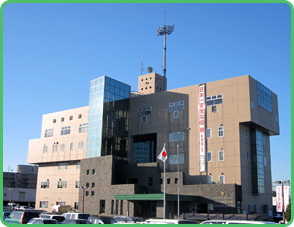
(149, 69)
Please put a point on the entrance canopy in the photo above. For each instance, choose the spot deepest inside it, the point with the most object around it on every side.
(153, 197)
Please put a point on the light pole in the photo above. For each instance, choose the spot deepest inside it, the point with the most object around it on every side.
(10, 192)
(283, 199)
(178, 156)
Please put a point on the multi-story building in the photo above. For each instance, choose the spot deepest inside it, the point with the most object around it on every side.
(20, 186)
(217, 136)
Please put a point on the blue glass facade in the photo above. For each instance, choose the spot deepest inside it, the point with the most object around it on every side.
(108, 118)
(264, 96)
(257, 161)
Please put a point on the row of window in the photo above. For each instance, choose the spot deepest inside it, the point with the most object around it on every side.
(70, 118)
(64, 165)
(60, 184)
(44, 204)
(66, 130)
(89, 171)
(221, 156)
(220, 132)
(61, 147)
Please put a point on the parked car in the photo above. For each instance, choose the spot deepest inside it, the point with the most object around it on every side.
(76, 221)
(58, 218)
(69, 215)
(42, 221)
(21, 217)
(236, 222)
(101, 220)
(137, 219)
(123, 219)
(168, 221)
(6, 213)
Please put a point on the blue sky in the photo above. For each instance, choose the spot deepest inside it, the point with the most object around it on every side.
(52, 51)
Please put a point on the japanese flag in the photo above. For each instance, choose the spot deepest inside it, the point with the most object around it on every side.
(163, 155)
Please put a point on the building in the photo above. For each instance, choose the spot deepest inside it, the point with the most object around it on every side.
(20, 186)
(219, 132)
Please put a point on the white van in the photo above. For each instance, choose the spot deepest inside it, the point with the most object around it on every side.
(236, 222)
(168, 221)
(76, 216)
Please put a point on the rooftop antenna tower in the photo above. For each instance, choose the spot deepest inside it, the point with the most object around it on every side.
(165, 30)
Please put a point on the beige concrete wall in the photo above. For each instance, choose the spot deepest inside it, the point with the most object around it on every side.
(51, 173)
(36, 155)
(48, 162)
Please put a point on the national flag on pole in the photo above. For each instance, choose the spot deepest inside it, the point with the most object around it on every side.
(163, 155)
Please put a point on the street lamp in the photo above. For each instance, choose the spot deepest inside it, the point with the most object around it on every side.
(283, 200)
(10, 192)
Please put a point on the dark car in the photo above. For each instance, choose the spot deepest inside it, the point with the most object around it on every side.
(21, 217)
(76, 221)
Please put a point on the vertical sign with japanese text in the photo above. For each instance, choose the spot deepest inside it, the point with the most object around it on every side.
(286, 197)
(279, 198)
(202, 126)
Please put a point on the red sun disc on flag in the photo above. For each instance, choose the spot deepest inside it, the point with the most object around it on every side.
(164, 154)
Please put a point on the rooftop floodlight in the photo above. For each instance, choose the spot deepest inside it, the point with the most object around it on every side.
(165, 30)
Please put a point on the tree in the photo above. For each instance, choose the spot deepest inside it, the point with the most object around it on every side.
(288, 213)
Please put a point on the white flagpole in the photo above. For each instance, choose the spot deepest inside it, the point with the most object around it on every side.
(164, 202)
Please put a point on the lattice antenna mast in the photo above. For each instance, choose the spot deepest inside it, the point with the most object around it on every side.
(165, 30)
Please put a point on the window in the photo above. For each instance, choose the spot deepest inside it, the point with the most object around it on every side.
(78, 165)
(93, 184)
(213, 100)
(65, 130)
(81, 145)
(247, 156)
(88, 172)
(176, 180)
(83, 127)
(55, 148)
(80, 116)
(62, 119)
(102, 207)
(264, 96)
(176, 114)
(49, 132)
(168, 180)
(144, 111)
(93, 171)
(222, 179)
(150, 181)
(62, 166)
(246, 132)
(209, 179)
(252, 105)
(76, 205)
(208, 133)
(144, 119)
(71, 146)
(87, 185)
(43, 204)
(92, 193)
(221, 156)
(70, 118)
(176, 136)
(112, 206)
(61, 184)
(77, 185)
(45, 184)
(45, 149)
(264, 161)
(221, 131)
(176, 106)
(62, 147)
(54, 120)
(214, 109)
(87, 193)
(209, 156)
